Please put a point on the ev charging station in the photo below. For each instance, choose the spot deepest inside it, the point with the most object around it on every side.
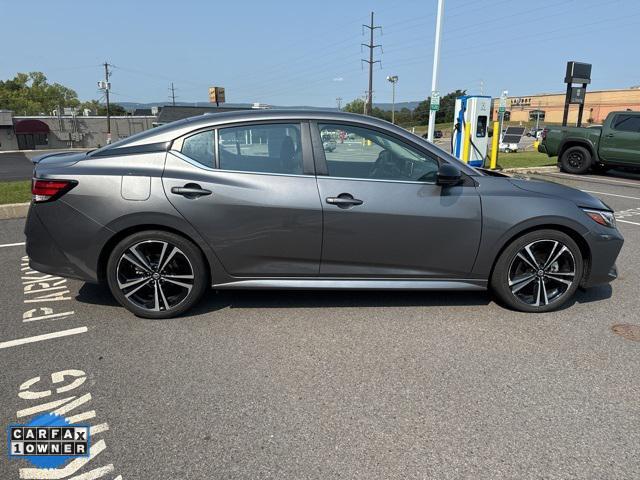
(471, 111)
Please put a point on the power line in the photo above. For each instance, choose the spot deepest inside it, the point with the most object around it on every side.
(368, 107)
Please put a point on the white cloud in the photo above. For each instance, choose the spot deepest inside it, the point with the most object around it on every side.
(338, 79)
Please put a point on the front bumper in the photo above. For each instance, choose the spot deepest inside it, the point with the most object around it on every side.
(604, 247)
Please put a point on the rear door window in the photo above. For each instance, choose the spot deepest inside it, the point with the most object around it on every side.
(200, 147)
(263, 148)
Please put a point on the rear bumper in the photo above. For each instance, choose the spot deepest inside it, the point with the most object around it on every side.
(62, 241)
(605, 248)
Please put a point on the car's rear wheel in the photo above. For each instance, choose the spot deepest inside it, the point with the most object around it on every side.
(575, 160)
(156, 274)
(538, 272)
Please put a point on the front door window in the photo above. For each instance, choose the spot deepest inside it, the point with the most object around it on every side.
(356, 152)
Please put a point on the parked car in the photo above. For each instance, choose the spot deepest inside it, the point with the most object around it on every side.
(436, 134)
(163, 216)
(535, 132)
(329, 145)
(614, 144)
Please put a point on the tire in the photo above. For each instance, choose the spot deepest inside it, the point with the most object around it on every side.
(516, 283)
(157, 274)
(576, 160)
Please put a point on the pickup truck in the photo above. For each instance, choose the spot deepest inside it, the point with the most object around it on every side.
(615, 144)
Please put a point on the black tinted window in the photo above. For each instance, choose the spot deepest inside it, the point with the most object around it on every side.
(355, 152)
(627, 123)
(199, 147)
(273, 148)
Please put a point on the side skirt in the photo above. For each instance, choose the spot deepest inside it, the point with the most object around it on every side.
(355, 284)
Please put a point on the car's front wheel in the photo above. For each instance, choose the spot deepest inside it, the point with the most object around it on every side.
(156, 274)
(538, 272)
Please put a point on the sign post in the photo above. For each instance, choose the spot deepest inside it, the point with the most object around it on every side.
(216, 95)
(501, 109)
(577, 72)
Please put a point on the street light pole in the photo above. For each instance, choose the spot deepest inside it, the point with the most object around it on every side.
(436, 62)
(393, 79)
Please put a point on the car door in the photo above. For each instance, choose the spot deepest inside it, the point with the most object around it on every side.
(250, 191)
(384, 216)
(620, 140)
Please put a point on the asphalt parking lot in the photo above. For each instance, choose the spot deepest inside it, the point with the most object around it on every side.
(333, 384)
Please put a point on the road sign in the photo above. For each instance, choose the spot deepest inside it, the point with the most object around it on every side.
(216, 95)
(434, 105)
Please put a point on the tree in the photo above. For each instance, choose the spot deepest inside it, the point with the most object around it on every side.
(444, 114)
(98, 108)
(355, 106)
(31, 94)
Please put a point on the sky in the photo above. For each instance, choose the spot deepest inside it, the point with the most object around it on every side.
(288, 52)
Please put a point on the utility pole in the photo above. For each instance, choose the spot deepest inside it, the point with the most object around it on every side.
(368, 107)
(173, 94)
(436, 62)
(107, 87)
(339, 102)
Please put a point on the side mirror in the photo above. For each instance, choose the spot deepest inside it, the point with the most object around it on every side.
(448, 175)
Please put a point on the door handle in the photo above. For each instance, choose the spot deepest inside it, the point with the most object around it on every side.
(609, 135)
(344, 200)
(191, 190)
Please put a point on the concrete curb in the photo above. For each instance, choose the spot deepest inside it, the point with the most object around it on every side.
(14, 210)
(549, 169)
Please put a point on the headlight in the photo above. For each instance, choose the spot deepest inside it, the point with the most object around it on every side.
(603, 217)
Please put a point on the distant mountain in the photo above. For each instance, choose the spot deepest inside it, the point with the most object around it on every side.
(399, 105)
(130, 106)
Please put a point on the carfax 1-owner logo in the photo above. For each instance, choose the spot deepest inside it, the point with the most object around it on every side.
(48, 441)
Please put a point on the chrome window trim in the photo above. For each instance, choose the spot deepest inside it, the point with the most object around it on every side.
(265, 173)
(191, 161)
(358, 179)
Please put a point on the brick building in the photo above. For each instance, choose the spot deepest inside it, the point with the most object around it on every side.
(550, 106)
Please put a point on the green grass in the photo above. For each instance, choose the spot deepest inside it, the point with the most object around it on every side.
(15, 192)
(525, 159)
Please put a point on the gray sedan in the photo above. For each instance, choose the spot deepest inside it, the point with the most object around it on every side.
(252, 200)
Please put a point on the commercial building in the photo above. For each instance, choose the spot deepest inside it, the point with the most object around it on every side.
(74, 131)
(549, 107)
(65, 131)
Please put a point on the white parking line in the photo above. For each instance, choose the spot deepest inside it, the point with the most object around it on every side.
(46, 336)
(611, 194)
(591, 179)
(12, 244)
(627, 221)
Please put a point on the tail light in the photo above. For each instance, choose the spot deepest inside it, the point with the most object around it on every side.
(543, 135)
(49, 190)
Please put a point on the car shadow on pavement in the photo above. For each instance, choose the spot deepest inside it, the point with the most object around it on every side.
(623, 173)
(336, 299)
(96, 295)
(593, 294)
(219, 299)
